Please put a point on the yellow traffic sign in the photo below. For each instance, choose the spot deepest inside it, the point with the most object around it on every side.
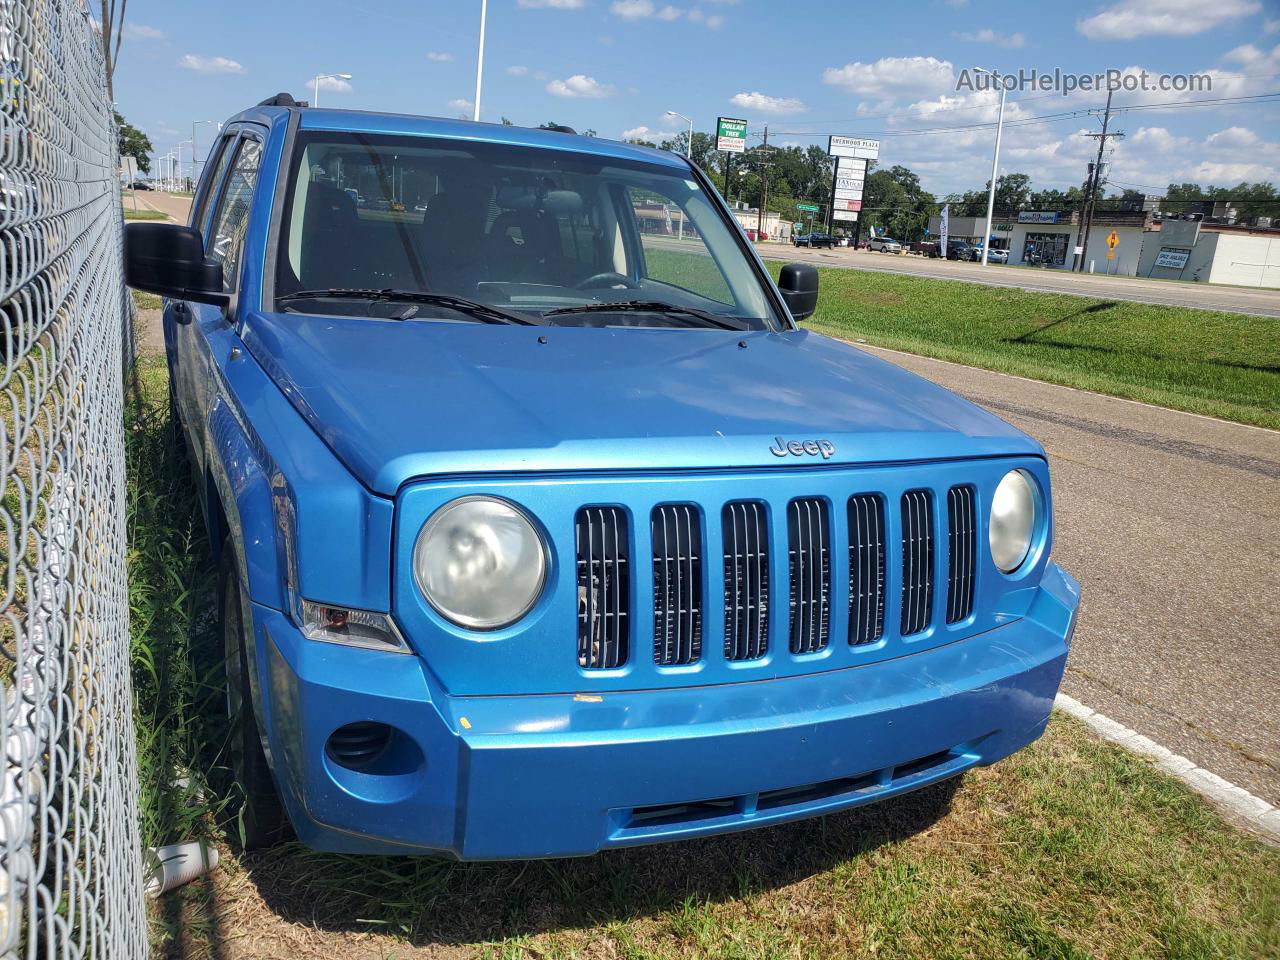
(1113, 240)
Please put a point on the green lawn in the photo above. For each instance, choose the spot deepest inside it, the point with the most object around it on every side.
(1222, 364)
(1071, 849)
(141, 214)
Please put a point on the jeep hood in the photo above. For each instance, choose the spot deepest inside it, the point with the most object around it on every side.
(402, 400)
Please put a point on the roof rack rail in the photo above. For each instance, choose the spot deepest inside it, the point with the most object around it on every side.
(560, 128)
(283, 100)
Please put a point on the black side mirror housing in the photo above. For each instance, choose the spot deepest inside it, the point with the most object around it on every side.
(168, 259)
(798, 283)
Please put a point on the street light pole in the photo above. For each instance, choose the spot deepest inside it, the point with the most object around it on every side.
(315, 100)
(475, 107)
(194, 154)
(995, 165)
(688, 155)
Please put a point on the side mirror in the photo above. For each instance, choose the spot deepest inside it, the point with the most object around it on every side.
(799, 285)
(168, 259)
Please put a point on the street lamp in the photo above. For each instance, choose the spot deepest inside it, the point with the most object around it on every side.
(315, 100)
(688, 154)
(688, 147)
(995, 163)
(475, 107)
(194, 155)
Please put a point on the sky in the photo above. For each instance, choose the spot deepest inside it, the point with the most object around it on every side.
(807, 69)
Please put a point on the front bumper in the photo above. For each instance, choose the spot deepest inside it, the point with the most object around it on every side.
(553, 775)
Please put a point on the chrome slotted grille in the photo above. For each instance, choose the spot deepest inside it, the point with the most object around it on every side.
(604, 599)
(962, 543)
(677, 584)
(745, 530)
(866, 568)
(809, 553)
(917, 560)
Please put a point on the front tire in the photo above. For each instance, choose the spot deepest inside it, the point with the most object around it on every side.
(262, 821)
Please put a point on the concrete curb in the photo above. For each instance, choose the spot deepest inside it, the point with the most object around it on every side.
(1258, 813)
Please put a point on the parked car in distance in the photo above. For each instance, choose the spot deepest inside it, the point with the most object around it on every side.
(140, 185)
(761, 576)
(996, 255)
(814, 240)
(884, 245)
(957, 250)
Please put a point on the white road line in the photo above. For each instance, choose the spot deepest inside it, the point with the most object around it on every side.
(1258, 813)
(1060, 386)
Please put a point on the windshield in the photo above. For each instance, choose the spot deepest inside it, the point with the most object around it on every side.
(551, 235)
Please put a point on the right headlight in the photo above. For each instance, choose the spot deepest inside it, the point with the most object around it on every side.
(1013, 520)
(480, 562)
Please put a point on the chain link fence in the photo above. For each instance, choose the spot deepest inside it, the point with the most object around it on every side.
(70, 863)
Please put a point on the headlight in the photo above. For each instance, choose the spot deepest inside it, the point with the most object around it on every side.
(480, 563)
(1013, 521)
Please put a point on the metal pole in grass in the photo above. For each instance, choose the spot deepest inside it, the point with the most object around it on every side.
(995, 161)
(475, 108)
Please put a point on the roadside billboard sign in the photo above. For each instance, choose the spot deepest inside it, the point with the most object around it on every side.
(731, 135)
(848, 194)
(1175, 259)
(1037, 216)
(839, 204)
(844, 215)
(847, 167)
(855, 147)
(848, 183)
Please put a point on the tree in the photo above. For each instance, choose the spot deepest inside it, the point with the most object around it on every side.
(134, 143)
(893, 199)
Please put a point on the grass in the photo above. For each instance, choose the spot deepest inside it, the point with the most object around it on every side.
(1221, 364)
(147, 301)
(140, 214)
(1070, 849)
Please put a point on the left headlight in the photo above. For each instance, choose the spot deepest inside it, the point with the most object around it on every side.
(1013, 520)
(480, 563)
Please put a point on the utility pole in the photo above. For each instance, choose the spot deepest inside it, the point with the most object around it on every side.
(484, 15)
(1094, 183)
(764, 177)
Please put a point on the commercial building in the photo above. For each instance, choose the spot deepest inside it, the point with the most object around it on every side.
(1242, 255)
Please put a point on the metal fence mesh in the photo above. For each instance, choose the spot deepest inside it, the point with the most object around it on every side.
(70, 864)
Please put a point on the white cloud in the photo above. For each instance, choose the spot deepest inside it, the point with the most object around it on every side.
(892, 78)
(1271, 26)
(553, 4)
(461, 105)
(439, 56)
(517, 70)
(715, 22)
(1232, 138)
(1010, 41)
(645, 133)
(956, 3)
(200, 64)
(1171, 18)
(140, 31)
(763, 103)
(331, 84)
(669, 13)
(580, 85)
(632, 9)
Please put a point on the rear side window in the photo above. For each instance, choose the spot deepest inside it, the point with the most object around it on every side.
(217, 169)
(232, 219)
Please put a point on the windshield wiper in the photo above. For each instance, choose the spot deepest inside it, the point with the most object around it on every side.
(651, 306)
(472, 308)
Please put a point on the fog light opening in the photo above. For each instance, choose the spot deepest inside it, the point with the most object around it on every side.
(359, 746)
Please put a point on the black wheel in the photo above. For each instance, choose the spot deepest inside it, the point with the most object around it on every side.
(262, 821)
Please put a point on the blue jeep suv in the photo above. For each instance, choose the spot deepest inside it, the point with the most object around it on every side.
(544, 529)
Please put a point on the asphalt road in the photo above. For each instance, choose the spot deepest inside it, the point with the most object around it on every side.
(177, 208)
(1171, 523)
(1198, 296)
